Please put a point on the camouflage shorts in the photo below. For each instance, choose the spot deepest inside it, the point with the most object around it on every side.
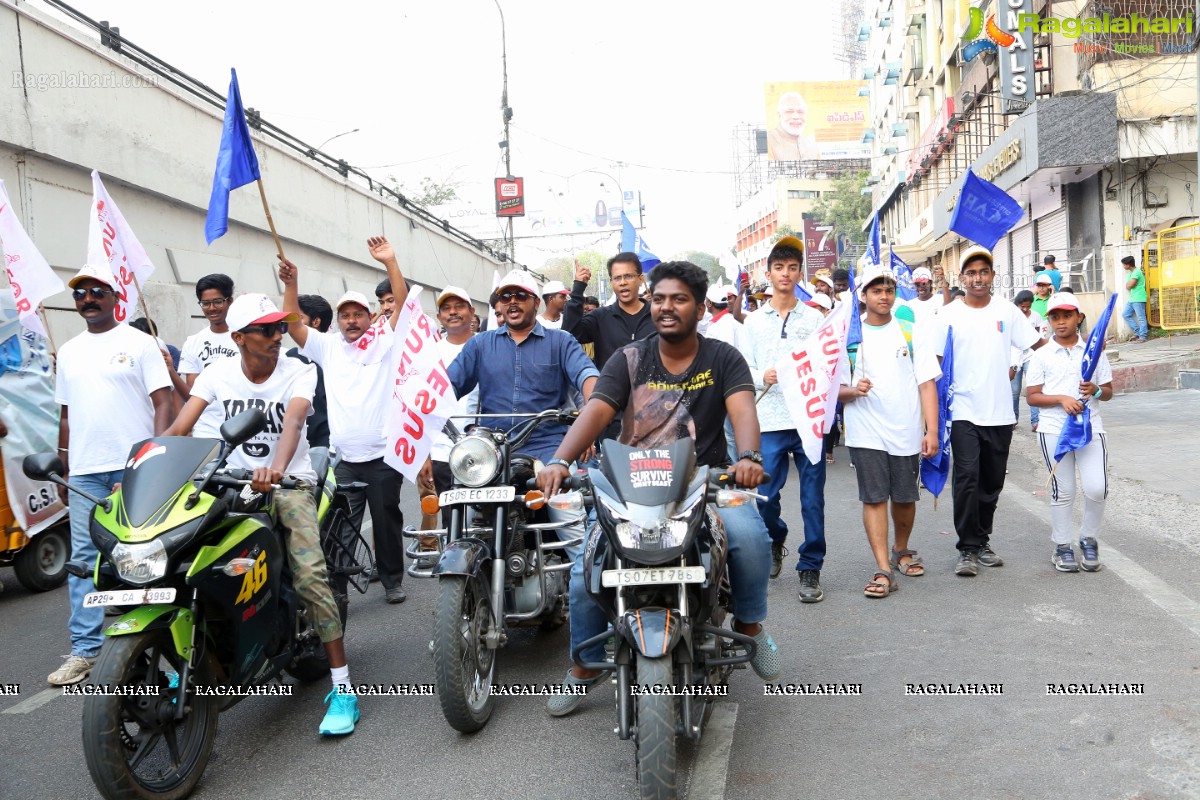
(297, 513)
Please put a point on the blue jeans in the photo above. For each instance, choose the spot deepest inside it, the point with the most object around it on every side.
(86, 623)
(1138, 310)
(776, 447)
(749, 568)
(1017, 378)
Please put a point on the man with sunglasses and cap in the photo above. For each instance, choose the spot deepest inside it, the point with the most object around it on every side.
(115, 391)
(355, 363)
(283, 389)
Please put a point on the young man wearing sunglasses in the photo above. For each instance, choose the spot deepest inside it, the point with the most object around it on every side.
(283, 389)
(355, 362)
(115, 391)
(209, 345)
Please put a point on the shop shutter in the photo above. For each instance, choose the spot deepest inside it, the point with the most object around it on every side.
(1022, 257)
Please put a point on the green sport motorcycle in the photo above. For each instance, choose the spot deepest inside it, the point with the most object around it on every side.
(194, 558)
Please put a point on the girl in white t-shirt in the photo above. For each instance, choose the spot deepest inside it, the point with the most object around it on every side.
(1056, 385)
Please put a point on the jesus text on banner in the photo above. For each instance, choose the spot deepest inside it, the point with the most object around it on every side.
(809, 377)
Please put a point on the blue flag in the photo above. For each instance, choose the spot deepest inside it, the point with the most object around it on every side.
(1077, 430)
(236, 163)
(802, 294)
(632, 242)
(904, 282)
(873, 248)
(935, 471)
(984, 211)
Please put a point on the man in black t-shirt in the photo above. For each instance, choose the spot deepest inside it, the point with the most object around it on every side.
(672, 385)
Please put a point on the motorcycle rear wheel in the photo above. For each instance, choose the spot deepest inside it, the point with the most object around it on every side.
(134, 748)
(656, 730)
(463, 665)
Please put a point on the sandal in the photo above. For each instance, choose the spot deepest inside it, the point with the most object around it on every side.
(915, 567)
(877, 588)
(829, 459)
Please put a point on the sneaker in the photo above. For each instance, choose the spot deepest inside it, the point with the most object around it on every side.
(559, 705)
(968, 564)
(988, 558)
(395, 596)
(810, 586)
(778, 551)
(766, 657)
(1090, 551)
(74, 670)
(341, 716)
(1064, 559)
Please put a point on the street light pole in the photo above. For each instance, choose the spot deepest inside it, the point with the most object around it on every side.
(337, 136)
(506, 116)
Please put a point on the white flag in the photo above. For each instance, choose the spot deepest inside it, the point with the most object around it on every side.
(29, 275)
(809, 377)
(374, 344)
(421, 397)
(111, 243)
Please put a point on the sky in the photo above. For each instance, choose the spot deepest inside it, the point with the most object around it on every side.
(647, 92)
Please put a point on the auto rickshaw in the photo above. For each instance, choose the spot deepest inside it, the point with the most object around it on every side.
(40, 561)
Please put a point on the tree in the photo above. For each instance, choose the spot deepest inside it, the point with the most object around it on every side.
(562, 268)
(846, 208)
(430, 193)
(782, 231)
(705, 261)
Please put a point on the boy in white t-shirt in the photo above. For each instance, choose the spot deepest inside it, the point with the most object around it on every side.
(214, 293)
(985, 331)
(1056, 385)
(283, 389)
(891, 422)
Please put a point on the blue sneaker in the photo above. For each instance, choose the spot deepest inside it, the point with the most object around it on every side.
(341, 716)
(1064, 559)
(1091, 554)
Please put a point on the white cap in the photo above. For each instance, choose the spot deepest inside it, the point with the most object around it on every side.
(826, 279)
(975, 252)
(554, 287)
(820, 300)
(519, 279)
(353, 297)
(719, 295)
(452, 291)
(922, 274)
(1062, 300)
(873, 273)
(102, 274)
(255, 308)
(1044, 279)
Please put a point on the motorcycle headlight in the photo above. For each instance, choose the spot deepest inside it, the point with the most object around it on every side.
(661, 535)
(140, 563)
(474, 461)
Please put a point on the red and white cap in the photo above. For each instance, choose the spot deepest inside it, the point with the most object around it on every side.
(255, 309)
(1063, 300)
(352, 296)
(922, 274)
(452, 291)
(820, 300)
(555, 287)
(519, 279)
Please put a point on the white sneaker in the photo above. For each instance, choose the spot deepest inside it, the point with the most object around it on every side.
(74, 670)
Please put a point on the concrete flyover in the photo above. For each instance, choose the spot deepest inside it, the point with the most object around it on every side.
(70, 105)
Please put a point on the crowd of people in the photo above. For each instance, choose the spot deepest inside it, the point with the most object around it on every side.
(669, 357)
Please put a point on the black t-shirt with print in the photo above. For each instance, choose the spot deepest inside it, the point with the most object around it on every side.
(657, 408)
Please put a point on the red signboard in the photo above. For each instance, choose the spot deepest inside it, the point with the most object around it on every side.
(510, 197)
(820, 247)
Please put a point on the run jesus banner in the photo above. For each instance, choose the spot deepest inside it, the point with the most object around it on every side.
(422, 398)
(111, 243)
(809, 378)
(29, 275)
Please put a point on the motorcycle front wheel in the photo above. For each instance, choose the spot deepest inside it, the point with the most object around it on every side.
(134, 747)
(655, 728)
(463, 665)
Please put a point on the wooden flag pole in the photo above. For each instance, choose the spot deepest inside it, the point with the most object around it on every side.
(263, 194)
(766, 389)
(42, 314)
(142, 300)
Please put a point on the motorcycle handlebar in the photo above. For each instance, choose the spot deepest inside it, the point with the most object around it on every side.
(237, 478)
(724, 478)
(570, 484)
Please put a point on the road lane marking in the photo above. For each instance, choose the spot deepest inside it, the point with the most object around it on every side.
(33, 703)
(1178, 605)
(711, 768)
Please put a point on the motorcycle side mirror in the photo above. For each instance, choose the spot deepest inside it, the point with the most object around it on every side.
(243, 427)
(40, 466)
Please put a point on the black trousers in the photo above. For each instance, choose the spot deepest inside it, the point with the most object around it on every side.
(382, 496)
(980, 459)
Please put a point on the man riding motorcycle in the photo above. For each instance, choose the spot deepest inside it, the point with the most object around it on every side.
(283, 389)
(671, 385)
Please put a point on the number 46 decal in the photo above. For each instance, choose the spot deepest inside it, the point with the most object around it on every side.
(254, 580)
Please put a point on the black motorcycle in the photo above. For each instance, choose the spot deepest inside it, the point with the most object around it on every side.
(658, 570)
(196, 561)
(500, 563)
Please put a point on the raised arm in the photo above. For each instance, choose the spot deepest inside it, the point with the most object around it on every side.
(573, 313)
(289, 276)
(381, 251)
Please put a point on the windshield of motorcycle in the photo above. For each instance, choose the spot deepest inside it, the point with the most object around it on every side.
(157, 469)
(649, 476)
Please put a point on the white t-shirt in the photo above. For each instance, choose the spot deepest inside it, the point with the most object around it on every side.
(983, 342)
(105, 381)
(889, 417)
(1058, 370)
(356, 395)
(726, 328)
(552, 324)
(203, 349)
(924, 310)
(226, 388)
(1022, 357)
(440, 449)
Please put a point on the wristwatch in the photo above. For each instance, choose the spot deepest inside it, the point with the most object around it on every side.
(558, 462)
(753, 455)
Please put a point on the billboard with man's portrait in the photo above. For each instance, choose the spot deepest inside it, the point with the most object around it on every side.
(816, 120)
